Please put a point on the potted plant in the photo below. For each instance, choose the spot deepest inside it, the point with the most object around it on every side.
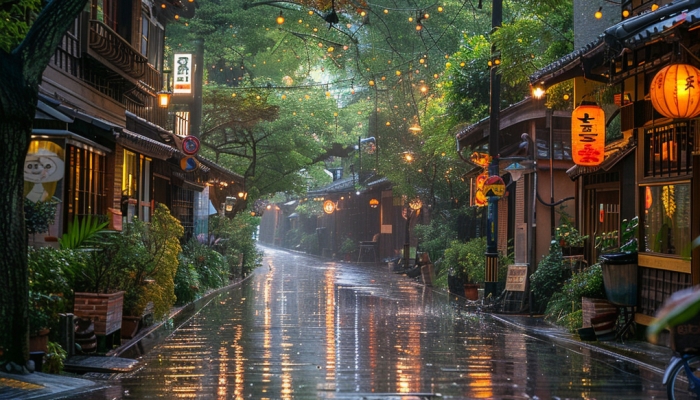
(47, 285)
(94, 277)
(570, 239)
(148, 253)
(348, 248)
(468, 264)
(620, 263)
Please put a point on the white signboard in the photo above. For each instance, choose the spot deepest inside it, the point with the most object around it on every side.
(183, 74)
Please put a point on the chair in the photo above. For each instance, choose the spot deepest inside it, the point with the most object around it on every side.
(369, 247)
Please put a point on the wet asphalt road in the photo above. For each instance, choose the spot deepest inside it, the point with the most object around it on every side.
(308, 328)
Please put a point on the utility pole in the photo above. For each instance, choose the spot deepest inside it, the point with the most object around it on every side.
(491, 280)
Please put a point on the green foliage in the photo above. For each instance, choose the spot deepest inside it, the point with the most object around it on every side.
(38, 216)
(82, 232)
(210, 265)
(46, 269)
(43, 311)
(186, 283)
(435, 237)
(348, 246)
(549, 277)
(567, 232)
(54, 359)
(152, 277)
(467, 260)
(236, 237)
(309, 243)
(292, 238)
(15, 20)
(607, 242)
(564, 306)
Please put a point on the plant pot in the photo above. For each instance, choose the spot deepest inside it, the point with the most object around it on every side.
(39, 341)
(455, 284)
(130, 326)
(620, 278)
(105, 310)
(471, 291)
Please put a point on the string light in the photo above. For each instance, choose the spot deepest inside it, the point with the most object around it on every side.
(599, 14)
(280, 19)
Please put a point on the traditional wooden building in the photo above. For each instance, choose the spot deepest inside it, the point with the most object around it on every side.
(102, 144)
(648, 168)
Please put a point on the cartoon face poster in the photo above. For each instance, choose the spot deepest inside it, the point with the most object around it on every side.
(43, 170)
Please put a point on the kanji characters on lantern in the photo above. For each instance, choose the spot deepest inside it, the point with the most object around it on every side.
(588, 135)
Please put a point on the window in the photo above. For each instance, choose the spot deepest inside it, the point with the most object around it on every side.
(85, 182)
(129, 175)
(144, 34)
(667, 219)
(668, 149)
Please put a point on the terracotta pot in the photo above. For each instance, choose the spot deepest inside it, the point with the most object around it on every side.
(39, 341)
(471, 291)
(130, 326)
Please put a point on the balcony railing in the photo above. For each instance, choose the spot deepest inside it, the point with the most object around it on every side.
(108, 44)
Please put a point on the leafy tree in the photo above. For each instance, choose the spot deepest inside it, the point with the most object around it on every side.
(20, 73)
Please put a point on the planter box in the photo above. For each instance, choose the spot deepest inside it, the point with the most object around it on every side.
(592, 308)
(105, 310)
(471, 291)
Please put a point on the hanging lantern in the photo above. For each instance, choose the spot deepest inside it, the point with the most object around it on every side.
(374, 203)
(588, 135)
(674, 91)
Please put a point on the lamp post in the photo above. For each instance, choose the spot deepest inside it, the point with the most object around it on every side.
(491, 276)
(413, 208)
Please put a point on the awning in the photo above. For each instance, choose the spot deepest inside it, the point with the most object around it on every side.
(144, 145)
(615, 154)
(631, 33)
(71, 138)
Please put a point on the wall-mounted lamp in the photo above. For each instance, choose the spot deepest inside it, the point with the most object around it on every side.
(374, 203)
(538, 92)
(164, 99)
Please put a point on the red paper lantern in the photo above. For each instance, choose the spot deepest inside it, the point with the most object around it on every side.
(675, 92)
(588, 135)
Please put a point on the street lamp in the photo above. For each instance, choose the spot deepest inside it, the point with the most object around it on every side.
(413, 208)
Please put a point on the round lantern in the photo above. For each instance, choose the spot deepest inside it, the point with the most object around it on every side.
(328, 206)
(675, 92)
(588, 135)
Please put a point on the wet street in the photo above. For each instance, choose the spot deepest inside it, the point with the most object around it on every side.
(309, 328)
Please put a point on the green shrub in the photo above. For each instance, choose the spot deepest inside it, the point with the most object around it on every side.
(564, 306)
(54, 359)
(549, 277)
(186, 283)
(211, 267)
(237, 237)
(309, 244)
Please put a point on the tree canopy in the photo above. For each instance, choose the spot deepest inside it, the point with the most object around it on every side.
(287, 82)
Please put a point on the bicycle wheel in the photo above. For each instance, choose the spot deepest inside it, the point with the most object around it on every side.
(677, 386)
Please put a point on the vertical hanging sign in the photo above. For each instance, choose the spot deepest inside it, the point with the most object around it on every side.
(183, 75)
(588, 135)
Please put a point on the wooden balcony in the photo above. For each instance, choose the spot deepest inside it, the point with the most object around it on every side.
(125, 59)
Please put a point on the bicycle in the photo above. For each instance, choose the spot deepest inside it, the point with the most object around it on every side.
(683, 385)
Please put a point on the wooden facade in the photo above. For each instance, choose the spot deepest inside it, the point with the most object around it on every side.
(648, 171)
(99, 124)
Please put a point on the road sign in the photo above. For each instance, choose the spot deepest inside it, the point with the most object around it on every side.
(190, 145)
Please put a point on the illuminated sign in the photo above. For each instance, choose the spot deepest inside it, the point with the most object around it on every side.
(184, 74)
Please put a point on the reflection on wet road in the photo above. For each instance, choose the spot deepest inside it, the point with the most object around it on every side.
(309, 328)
